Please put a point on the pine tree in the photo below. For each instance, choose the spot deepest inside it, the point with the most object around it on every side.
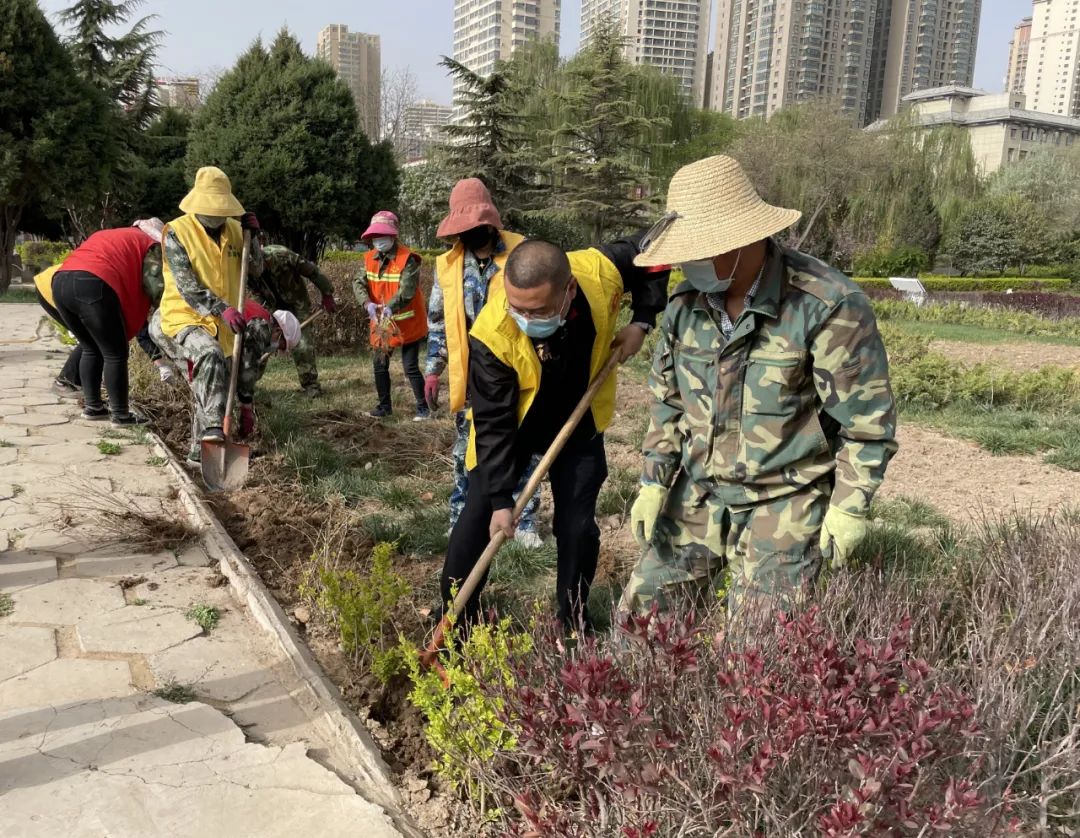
(601, 148)
(57, 141)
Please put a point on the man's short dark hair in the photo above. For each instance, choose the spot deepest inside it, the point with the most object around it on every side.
(536, 262)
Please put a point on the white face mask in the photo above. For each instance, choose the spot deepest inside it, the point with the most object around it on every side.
(212, 222)
(383, 244)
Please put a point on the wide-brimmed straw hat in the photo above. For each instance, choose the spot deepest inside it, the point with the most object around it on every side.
(712, 208)
(383, 223)
(470, 206)
(211, 195)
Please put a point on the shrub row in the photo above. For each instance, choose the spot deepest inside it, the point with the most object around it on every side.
(428, 256)
(959, 283)
(39, 255)
(986, 317)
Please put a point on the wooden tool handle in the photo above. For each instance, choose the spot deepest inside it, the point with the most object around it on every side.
(238, 338)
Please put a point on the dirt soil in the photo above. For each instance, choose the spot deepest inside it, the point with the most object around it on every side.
(967, 483)
(1021, 357)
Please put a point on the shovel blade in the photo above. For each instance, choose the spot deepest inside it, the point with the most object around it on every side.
(224, 465)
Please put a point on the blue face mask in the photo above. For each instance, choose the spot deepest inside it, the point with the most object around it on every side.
(702, 275)
(539, 328)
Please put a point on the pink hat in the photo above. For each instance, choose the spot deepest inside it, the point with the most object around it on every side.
(383, 223)
(470, 206)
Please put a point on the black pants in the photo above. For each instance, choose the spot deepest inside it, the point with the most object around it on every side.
(576, 477)
(410, 360)
(91, 311)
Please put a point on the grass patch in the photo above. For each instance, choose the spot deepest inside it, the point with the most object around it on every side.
(6, 444)
(139, 601)
(205, 616)
(422, 532)
(7, 604)
(516, 565)
(907, 512)
(154, 460)
(107, 447)
(19, 295)
(176, 693)
(976, 334)
(618, 493)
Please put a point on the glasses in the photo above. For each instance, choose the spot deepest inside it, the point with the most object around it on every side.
(540, 315)
(658, 229)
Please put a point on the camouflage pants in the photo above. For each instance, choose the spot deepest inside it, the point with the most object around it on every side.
(304, 354)
(461, 479)
(210, 369)
(770, 550)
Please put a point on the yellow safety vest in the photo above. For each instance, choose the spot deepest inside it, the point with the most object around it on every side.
(450, 271)
(218, 266)
(601, 282)
(43, 281)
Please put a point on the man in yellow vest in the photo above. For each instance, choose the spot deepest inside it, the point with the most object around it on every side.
(464, 277)
(199, 310)
(536, 345)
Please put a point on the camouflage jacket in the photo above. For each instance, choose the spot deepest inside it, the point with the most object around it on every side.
(191, 288)
(284, 279)
(801, 391)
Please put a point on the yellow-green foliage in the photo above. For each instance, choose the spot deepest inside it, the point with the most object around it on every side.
(463, 722)
(360, 605)
(1019, 322)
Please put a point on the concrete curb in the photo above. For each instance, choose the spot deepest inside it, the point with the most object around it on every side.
(355, 749)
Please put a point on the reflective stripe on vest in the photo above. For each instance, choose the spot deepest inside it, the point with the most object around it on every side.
(450, 272)
(600, 281)
(382, 289)
(218, 268)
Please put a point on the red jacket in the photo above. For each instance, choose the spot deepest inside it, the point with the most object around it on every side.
(116, 258)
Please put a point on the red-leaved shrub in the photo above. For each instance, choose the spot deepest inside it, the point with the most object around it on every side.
(668, 729)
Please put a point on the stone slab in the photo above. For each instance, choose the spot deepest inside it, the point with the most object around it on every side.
(114, 562)
(25, 648)
(20, 398)
(20, 570)
(136, 629)
(8, 455)
(66, 681)
(68, 541)
(35, 420)
(66, 602)
(172, 770)
(193, 556)
(62, 454)
(216, 667)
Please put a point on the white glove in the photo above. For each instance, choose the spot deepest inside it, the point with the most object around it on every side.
(165, 371)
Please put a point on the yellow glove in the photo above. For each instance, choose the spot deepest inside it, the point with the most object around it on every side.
(645, 511)
(841, 533)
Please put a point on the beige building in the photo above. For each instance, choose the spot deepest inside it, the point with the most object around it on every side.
(1052, 82)
(487, 31)
(1001, 128)
(1016, 75)
(672, 35)
(864, 54)
(357, 57)
(424, 121)
(178, 93)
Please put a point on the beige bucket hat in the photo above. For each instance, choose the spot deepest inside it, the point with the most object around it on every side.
(712, 208)
(211, 195)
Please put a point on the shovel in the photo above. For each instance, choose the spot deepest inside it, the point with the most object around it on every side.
(429, 657)
(225, 464)
(266, 356)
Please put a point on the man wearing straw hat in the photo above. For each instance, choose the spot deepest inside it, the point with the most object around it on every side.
(202, 255)
(772, 419)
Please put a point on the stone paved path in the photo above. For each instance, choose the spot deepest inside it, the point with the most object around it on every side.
(91, 630)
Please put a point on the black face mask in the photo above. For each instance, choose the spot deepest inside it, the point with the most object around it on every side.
(477, 237)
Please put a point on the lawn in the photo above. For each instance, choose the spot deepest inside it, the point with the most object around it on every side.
(977, 334)
(20, 294)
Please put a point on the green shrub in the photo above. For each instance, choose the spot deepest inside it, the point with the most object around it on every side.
(962, 283)
(40, 255)
(342, 256)
(360, 606)
(904, 260)
(463, 726)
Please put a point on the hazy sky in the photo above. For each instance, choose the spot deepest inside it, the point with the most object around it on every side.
(207, 34)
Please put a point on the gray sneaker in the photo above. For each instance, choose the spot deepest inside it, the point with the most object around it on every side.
(65, 389)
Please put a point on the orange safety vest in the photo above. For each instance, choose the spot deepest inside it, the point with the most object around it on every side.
(382, 287)
(450, 272)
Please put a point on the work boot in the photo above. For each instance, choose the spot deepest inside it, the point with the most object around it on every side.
(213, 435)
(96, 414)
(312, 391)
(422, 413)
(381, 412)
(65, 389)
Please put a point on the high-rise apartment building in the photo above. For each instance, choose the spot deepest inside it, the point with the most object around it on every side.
(424, 121)
(487, 31)
(1052, 81)
(178, 93)
(1016, 75)
(357, 58)
(866, 55)
(672, 35)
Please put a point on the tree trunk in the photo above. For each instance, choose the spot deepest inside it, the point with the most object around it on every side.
(810, 223)
(9, 225)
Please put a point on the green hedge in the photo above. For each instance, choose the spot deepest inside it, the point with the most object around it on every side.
(964, 283)
(39, 255)
(427, 256)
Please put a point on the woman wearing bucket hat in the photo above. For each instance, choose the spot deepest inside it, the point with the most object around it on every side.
(388, 288)
(464, 276)
(199, 312)
(772, 421)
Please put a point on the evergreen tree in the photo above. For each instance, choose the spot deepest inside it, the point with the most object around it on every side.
(423, 202)
(162, 179)
(284, 128)
(993, 234)
(601, 148)
(57, 141)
